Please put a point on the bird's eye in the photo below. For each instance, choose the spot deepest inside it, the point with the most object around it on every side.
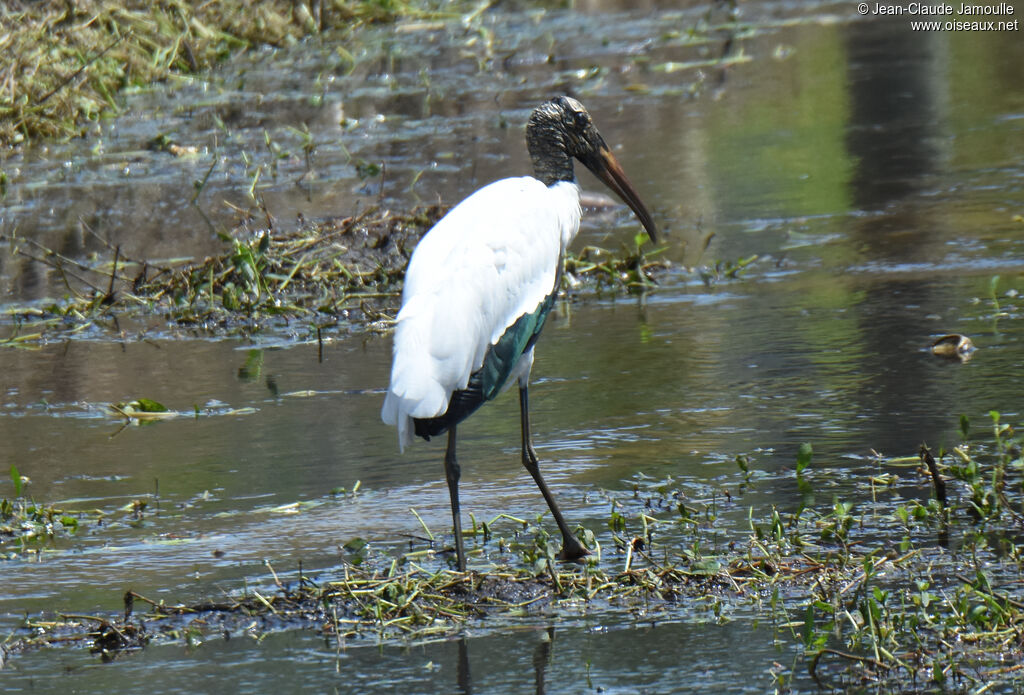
(581, 120)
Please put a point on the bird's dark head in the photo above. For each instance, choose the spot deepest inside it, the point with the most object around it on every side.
(560, 130)
(567, 121)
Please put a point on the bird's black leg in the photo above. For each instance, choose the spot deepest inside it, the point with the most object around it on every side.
(572, 549)
(451, 473)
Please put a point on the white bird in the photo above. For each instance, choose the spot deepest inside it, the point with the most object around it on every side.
(480, 285)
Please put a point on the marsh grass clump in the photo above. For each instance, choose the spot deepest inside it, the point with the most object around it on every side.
(62, 64)
(390, 601)
(630, 268)
(65, 62)
(321, 272)
(334, 267)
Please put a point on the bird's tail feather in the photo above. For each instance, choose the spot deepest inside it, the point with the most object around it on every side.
(412, 394)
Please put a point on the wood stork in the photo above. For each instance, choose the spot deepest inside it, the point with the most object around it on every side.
(480, 285)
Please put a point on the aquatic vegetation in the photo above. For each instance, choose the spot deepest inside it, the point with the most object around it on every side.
(324, 272)
(633, 268)
(63, 64)
(142, 409)
(881, 593)
(25, 524)
(940, 607)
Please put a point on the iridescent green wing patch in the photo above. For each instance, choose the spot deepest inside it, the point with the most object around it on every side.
(501, 357)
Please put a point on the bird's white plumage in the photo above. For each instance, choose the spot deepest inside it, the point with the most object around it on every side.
(491, 259)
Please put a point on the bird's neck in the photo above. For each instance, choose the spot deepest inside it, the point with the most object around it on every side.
(551, 160)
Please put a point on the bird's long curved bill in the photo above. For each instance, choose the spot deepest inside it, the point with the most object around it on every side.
(607, 168)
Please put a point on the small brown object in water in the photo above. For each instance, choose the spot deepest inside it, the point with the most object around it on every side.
(954, 346)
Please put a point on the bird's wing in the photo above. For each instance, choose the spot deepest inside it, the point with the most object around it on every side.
(490, 261)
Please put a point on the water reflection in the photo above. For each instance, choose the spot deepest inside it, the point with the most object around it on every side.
(896, 100)
(542, 656)
(645, 658)
(895, 88)
(462, 674)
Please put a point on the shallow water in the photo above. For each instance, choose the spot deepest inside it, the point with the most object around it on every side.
(875, 172)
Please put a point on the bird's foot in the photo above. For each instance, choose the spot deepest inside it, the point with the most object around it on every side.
(572, 551)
